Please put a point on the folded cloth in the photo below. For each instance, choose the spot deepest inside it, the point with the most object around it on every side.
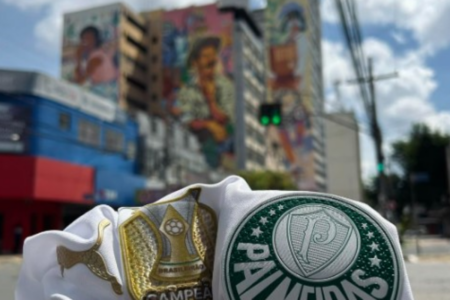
(221, 241)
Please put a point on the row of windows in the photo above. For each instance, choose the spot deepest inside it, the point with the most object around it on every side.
(251, 110)
(249, 66)
(136, 63)
(256, 157)
(255, 135)
(136, 24)
(258, 53)
(155, 162)
(136, 83)
(253, 89)
(142, 48)
(135, 104)
(89, 133)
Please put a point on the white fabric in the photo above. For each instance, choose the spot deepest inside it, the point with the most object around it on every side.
(40, 277)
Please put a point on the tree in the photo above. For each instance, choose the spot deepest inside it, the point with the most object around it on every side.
(423, 152)
(397, 190)
(268, 180)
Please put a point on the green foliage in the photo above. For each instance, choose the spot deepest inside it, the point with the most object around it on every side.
(268, 180)
(396, 190)
(422, 152)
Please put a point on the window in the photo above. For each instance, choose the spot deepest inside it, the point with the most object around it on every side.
(89, 133)
(134, 104)
(136, 83)
(136, 63)
(64, 121)
(155, 39)
(186, 139)
(153, 125)
(114, 140)
(138, 45)
(136, 24)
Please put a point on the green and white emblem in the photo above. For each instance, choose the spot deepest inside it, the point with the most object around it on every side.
(312, 247)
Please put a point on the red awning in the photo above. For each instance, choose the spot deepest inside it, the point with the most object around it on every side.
(43, 179)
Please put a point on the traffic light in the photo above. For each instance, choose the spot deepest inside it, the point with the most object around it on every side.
(380, 167)
(270, 114)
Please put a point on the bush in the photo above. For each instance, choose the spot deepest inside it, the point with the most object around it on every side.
(268, 180)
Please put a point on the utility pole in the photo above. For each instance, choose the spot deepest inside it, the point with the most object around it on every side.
(378, 139)
(447, 155)
(377, 135)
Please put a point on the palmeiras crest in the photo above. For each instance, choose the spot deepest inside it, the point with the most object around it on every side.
(315, 239)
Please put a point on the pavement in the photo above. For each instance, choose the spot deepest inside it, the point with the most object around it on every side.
(9, 272)
(429, 272)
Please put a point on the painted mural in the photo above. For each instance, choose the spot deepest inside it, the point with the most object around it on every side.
(198, 84)
(287, 29)
(90, 55)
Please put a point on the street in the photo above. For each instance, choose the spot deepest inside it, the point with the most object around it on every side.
(430, 278)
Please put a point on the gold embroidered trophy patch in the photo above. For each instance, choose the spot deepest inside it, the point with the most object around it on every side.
(168, 249)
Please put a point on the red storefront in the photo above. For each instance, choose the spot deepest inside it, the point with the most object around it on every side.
(34, 192)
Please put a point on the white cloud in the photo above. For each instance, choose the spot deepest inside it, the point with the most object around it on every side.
(48, 30)
(399, 37)
(426, 20)
(401, 101)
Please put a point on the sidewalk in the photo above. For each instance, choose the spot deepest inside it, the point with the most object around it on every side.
(10, 258)
(427, 248)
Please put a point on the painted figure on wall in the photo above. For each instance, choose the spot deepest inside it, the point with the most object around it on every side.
(206, 101)
(198, 89)
(288, 56)
(94, 63)
(289, 48)
(90, 51)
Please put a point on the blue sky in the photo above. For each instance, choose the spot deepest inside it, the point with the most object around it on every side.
(408, 36)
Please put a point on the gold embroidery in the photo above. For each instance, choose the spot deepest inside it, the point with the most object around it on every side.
(91, 258)
(168, 248)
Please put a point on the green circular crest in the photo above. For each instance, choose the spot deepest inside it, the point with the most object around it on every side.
(312, 246)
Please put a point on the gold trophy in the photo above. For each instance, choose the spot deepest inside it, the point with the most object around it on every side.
(168, 247)
(180, 263)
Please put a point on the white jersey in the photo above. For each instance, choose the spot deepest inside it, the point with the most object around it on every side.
(221, 241)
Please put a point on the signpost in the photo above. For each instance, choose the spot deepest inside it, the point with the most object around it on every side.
(418, 177)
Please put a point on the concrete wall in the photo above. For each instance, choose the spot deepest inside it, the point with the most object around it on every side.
(343, 156)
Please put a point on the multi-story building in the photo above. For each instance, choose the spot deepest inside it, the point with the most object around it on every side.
(62, 150)
(293, 34)
(208, 68)
(169, 156)
(343, 156)
(201, 66)
(107, 50)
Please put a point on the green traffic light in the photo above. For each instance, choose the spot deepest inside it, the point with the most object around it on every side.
(276, 120)
(265, 120)
(380, 167)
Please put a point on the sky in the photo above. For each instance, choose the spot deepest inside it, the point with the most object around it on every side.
(404, 36)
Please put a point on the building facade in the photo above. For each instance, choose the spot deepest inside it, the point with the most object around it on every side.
(209, 73)
(170, 156)
(201, 66)
(292, 30)
(343, 156)
(107, 50)
(62, 150)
